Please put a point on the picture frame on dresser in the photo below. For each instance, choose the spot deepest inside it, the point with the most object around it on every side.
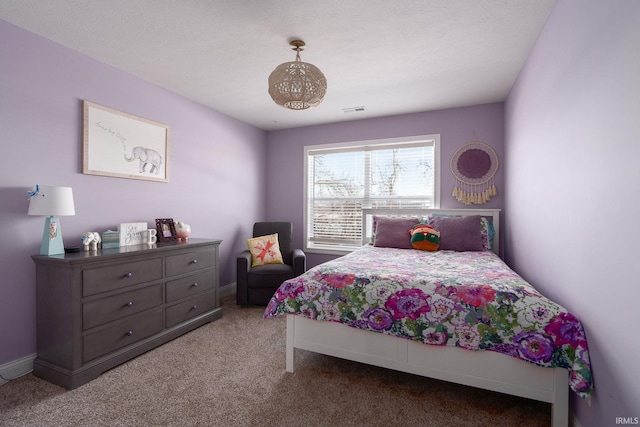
(166, 229)
(132, 233)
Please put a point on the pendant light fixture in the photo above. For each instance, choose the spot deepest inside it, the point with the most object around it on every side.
(297, 85)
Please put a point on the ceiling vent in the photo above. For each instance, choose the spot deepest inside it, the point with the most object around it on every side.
(353, 110)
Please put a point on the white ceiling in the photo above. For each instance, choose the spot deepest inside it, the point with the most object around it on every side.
(390, 56)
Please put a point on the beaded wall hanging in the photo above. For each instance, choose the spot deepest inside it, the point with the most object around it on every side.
(474, 165)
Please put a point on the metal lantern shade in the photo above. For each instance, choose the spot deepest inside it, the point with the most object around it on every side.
(297, 85)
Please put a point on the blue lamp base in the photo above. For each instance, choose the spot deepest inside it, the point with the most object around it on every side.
(52, 237)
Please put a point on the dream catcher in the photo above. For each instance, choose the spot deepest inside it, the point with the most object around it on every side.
(474, 165)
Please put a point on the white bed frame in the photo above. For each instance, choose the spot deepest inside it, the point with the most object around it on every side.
(483, 369)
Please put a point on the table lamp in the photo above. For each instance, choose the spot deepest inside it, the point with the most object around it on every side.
(51, 202)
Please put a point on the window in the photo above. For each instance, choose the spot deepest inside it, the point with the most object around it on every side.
(342, 179)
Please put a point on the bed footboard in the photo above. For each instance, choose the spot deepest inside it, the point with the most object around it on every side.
(498, 372)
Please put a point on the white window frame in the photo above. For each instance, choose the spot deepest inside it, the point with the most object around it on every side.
(338, 249)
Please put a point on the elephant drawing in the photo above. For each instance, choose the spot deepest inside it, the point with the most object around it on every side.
(146, 156)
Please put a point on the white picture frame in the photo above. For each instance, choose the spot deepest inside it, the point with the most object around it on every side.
(132, 233)
(122, 145)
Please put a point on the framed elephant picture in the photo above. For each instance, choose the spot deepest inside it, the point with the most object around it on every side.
(122, 145)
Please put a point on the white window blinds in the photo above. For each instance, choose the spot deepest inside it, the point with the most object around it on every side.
(342, 179)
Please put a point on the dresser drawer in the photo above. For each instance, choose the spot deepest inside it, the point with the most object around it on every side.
(190, 308)
(121, 334)
(190, 285)
(96, 280)
(190, 261)
(105, 310)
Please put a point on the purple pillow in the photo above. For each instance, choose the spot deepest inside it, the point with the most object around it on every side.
(394, 232)
(459, 233)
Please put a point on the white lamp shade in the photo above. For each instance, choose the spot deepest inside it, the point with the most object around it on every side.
(52, 201)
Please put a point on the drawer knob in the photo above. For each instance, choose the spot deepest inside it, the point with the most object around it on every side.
(194, 307)
(194, 285)
(129, 274)
(129, 304)
(129, 333)
(195, 261)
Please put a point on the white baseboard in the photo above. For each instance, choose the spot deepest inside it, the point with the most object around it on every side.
(15, 369)
(227, 290)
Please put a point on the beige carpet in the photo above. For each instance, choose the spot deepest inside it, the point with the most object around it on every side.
(232, 373)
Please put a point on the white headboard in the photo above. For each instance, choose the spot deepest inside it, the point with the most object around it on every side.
(492, 215)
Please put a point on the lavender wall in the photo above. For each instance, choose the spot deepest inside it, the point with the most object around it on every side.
(456, 127)
(216, 169)
(571, 155)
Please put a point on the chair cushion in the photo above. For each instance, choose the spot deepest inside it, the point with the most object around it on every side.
(272, 269)
(265, 250)
(269, 276)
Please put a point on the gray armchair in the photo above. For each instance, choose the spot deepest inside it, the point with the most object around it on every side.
(256, 285)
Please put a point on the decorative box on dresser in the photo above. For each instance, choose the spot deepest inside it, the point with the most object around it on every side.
(98, 309)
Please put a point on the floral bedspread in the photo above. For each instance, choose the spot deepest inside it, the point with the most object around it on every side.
(471, 300)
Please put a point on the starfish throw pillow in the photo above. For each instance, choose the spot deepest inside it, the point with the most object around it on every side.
(265, 250)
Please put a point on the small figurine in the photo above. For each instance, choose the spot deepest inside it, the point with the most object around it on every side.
(182, 230)
(91, 240)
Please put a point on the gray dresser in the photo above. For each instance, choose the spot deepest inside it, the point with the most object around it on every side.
(96, 310)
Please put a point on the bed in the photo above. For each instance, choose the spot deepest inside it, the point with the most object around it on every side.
(455, 315)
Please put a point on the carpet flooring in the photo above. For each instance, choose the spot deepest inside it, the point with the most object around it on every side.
(231, 372)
